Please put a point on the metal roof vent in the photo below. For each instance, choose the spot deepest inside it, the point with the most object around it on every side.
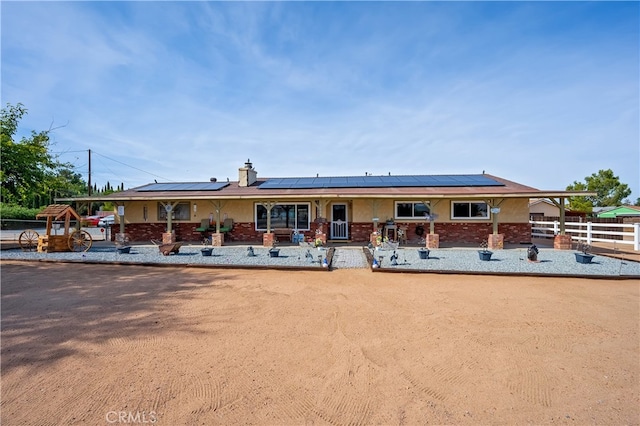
(212, 179)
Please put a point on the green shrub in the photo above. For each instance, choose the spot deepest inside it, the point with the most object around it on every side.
(10, 211)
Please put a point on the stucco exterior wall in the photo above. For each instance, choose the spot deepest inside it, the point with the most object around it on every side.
(142, 221)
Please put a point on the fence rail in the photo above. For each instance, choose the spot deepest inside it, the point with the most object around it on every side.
(589, 232)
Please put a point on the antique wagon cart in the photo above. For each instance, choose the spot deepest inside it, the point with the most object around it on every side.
(76, 240)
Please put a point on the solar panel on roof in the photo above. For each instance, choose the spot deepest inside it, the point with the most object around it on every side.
(184, 186)
(380, 182)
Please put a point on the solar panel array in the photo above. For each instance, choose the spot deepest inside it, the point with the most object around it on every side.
(183, 186)
(380, 182)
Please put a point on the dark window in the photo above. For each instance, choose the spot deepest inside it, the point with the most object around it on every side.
(293, 216)
(469, 210)
(409, 210)
(181, 211)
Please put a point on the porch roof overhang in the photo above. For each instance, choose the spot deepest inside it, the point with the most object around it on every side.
(179, 196)
(233, 191)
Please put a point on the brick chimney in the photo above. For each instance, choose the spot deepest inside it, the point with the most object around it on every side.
(247, 175)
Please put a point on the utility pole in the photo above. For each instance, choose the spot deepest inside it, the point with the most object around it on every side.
(89, 173)
(90, 212)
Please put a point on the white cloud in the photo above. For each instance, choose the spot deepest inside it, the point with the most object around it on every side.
(194, 89)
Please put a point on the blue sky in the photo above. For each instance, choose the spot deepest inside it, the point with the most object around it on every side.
(541, 93)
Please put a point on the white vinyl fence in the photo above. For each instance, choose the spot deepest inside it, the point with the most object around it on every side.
(589, 232)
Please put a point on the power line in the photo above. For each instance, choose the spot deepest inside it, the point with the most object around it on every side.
(128, 165)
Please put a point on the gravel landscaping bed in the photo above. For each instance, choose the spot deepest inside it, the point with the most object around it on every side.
(512, 261)
(463, 260)
(293, 257)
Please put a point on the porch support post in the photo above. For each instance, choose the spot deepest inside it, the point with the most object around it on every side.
(374, 214)
(560, 205)
(495, 240)
(432, 222)
(561, 241)
(562, 217)
(268, 205)
(268, 238)
(168, 207)
(322, 206)
(218, 205)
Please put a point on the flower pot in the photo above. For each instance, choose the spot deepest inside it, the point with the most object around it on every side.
(274, 252)
(207, 251)
(124, 250)
(485, 254)
(423, 253)
(583, 257)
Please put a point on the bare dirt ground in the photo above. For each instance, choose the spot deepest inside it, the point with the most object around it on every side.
(86, 344)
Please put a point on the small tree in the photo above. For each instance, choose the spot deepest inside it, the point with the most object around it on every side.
(608, 188)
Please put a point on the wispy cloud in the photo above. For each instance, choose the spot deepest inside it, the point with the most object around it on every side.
(541, 93)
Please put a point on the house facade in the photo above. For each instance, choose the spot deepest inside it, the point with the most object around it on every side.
(456, 208)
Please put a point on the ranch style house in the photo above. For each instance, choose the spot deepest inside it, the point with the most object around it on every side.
(419, 209)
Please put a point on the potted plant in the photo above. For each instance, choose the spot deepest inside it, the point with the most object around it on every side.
(484, 253)
(584, 256)
(274, 251)
(123, 249)
(423, 252)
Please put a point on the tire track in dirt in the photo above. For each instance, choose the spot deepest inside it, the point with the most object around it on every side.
(102, 398)
(194, 395)
(136, 343)
(530, 384)
(351, 370)
(426, 389)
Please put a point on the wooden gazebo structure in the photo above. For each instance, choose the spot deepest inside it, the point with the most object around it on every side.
(76, 240)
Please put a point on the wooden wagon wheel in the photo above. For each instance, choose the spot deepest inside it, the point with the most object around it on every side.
(80, 240)
(28, 240)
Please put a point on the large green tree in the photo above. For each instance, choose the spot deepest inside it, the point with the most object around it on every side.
(607, 186)
(30, 174)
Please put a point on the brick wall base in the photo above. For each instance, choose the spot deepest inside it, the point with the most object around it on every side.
(562, 242)
(514, 233)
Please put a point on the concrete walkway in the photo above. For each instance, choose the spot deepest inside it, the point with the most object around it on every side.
(349, 258)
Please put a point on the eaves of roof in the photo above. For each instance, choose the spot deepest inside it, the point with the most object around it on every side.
(235, 192)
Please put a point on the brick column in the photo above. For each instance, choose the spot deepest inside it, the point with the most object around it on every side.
(268, 238)
(433, 241)
(562, 242)
(169, 237)
(217, 239)
(495, 242)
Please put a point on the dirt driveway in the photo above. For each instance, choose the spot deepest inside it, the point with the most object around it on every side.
(87, 344)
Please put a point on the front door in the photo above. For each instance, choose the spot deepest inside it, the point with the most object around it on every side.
(339, 223)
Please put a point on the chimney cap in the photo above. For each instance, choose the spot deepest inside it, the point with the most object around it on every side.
(248, 164)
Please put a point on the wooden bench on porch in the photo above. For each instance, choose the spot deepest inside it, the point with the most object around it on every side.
(283, 233)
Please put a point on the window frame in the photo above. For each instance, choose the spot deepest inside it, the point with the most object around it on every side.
(162, 213)
(295, 217)
(413, 217)
(469, 202)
